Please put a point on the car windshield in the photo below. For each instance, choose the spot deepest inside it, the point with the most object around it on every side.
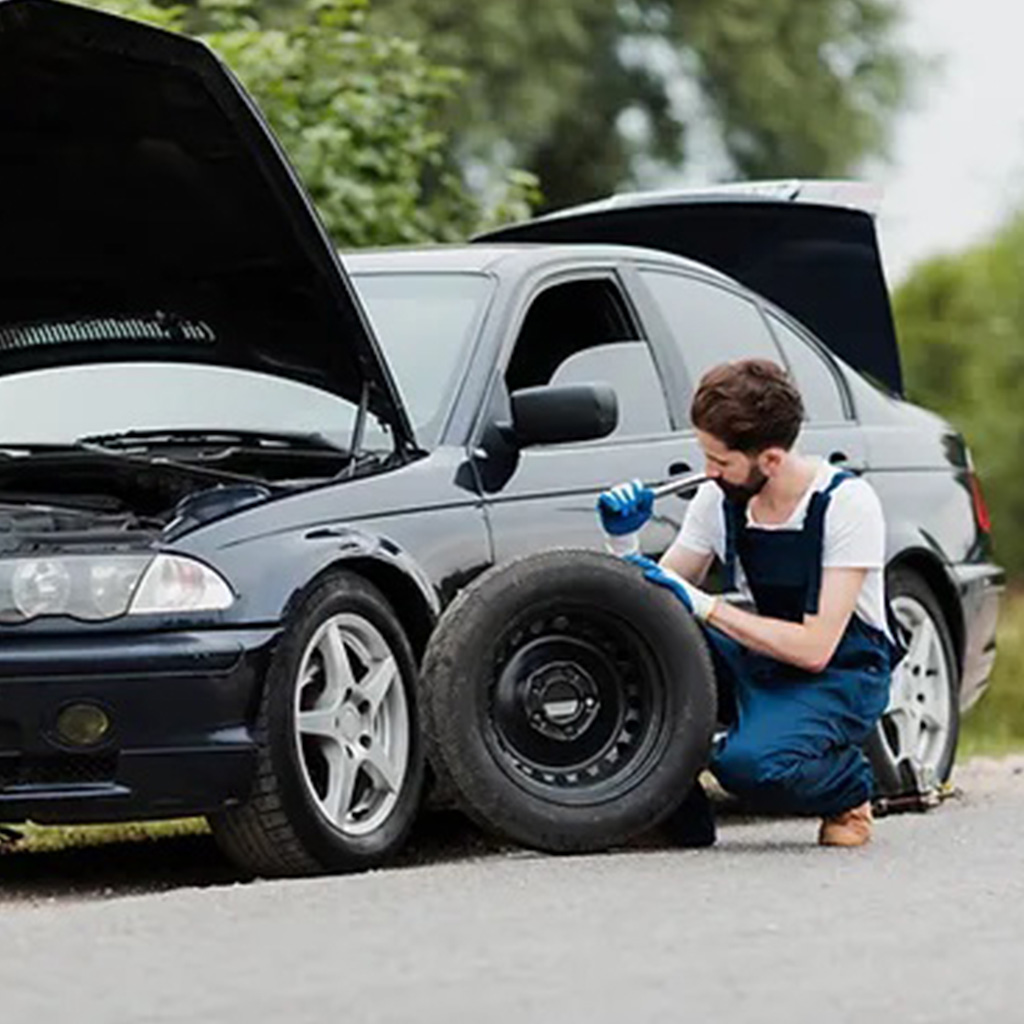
(424, 322)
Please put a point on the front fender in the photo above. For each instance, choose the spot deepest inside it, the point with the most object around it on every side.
(269, 574)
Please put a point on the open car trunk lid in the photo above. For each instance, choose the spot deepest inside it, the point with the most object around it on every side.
(809, 247)
(148, 214)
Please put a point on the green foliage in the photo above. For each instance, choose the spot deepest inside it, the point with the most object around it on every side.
(587, 95)
(961, 326)
(787, 88)
(358, 114)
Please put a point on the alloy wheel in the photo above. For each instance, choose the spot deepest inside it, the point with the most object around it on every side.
(916, 725)
(351, 724)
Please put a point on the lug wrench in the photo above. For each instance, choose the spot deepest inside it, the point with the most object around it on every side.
(680, 485)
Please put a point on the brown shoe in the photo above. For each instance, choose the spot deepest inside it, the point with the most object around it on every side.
(851, 828)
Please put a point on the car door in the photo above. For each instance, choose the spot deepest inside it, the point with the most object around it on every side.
(581, 327)
(712, 322)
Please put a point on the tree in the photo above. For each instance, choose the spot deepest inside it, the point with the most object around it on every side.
(357, 112)
(586, 93)
(961, 326)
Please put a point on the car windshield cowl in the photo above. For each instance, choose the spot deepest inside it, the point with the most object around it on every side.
(206, 438)
(17, 452)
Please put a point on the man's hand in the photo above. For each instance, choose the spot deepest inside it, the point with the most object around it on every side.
(625, 508)
(695, 600)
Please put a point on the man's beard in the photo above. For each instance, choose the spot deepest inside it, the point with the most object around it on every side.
(742, 493)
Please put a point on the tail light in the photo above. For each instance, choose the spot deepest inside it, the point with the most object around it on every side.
(980, 508)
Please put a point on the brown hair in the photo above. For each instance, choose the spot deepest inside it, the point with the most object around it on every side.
(749, 405)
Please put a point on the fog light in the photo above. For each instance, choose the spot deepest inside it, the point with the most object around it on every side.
(83, 725)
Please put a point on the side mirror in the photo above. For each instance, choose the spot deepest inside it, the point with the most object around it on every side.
(560, 413)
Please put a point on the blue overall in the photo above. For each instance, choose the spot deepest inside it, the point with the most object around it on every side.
(795, 745)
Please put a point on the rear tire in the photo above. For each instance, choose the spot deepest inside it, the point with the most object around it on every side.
(340, 764)
(570, 701)
(914, 746)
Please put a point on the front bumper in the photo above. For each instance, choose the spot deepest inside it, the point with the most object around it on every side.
(980, 588)
(181, 706)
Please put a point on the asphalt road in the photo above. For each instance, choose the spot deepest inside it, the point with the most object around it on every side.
(926, 925)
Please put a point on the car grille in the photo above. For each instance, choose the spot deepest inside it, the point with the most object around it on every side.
(58, 770)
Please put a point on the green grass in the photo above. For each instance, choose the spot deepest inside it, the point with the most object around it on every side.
(45, 839)
(995, 725)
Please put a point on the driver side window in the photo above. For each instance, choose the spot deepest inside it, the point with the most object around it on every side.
(582, 332)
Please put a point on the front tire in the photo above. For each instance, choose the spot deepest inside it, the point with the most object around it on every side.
(914, 746)
(340, 764)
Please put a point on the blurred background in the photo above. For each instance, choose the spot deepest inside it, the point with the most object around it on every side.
(416, 120)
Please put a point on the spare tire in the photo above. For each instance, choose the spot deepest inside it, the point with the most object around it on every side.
(569, 702)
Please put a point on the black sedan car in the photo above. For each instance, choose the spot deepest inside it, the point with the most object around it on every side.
(269, 521)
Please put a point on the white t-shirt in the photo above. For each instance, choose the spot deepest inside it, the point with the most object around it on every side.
(854, 534)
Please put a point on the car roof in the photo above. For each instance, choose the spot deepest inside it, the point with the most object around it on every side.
(485, 258)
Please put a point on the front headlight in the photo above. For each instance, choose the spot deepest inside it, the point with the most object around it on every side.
(100, 587)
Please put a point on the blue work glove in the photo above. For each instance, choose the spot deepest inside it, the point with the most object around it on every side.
(695, 600)
(625, 508)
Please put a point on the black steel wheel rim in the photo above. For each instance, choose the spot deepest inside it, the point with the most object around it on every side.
(577, 705)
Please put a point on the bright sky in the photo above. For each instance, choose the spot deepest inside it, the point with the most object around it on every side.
(958, 165)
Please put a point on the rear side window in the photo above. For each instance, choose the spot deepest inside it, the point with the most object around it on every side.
(582, 332)
(710, 325)
(823, 400)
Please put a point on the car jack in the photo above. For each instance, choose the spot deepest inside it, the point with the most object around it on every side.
(923, 792)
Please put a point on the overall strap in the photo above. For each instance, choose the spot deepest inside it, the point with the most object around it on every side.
(814, 532)
(735, 515)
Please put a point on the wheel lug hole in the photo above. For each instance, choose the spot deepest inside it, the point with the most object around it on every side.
(364, 707)
(365, 741)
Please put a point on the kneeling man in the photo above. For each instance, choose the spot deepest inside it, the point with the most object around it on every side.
(808, 673)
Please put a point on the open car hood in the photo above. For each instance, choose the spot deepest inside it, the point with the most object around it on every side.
(808, 246)
(148, 214)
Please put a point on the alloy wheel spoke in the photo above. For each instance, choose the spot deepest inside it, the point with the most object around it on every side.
(921, 646)
(320, 722)
(337, 666)
(384, 771)
(908, 732)
(377, 684)
(898, 686)
(342, 771)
